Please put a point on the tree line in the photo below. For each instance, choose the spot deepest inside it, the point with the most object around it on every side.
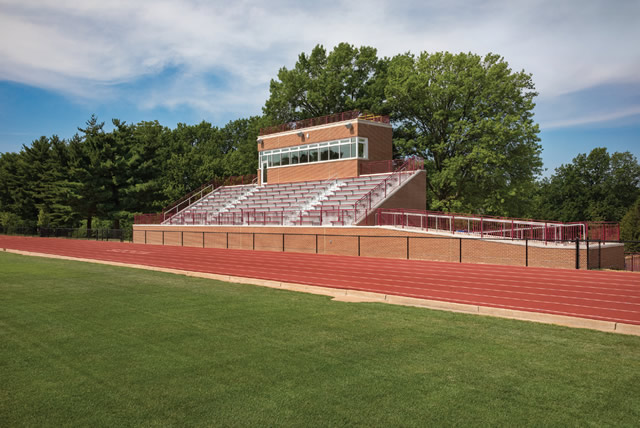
(469, 116)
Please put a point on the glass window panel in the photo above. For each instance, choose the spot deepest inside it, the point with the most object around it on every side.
(304, 156)
(294, 158)
(313, 155)
(323, 144)
(276, 159)
(353, 150)
(334, 143)
(334, 152)
(324, 154)
(360, 150)
(284, 159)
(345, 151)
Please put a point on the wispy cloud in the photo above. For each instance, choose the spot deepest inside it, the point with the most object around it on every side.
(594, 119)
(226, 52)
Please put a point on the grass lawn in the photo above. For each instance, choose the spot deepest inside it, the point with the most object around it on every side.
(94, 345)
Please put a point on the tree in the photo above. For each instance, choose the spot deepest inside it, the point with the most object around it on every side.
(87, 186)
(597, 187)
(630, 227)
(471, 118)
(239, 136)
(319, 84)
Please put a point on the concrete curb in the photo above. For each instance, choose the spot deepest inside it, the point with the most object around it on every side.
(357, 296)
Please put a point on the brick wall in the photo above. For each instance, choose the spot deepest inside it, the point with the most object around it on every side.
(378, 242)
(313, 171)
(380, 140)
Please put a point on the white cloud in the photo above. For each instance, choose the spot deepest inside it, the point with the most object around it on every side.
(86, 48)
(594, 118)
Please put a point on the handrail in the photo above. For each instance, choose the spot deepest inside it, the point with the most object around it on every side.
(323, 120)
(255, 217)
(505, 227)
(204, 190)
(410, 164)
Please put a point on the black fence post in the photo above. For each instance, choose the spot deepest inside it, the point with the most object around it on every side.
(227, 240)
(316, 243)
(577, 253)
(283, 242)
(407, 248)
(599, 254)
(202, 239)
(460, 239)
(163, 237)
(182, 238)
(358, 245)
(588, 255)
(526, 252)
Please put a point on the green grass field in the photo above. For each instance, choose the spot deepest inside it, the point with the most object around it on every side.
(94, 345)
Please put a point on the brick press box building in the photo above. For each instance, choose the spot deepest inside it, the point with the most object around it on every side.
(330, 185)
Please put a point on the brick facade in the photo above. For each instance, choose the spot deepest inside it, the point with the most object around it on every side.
(381, 242)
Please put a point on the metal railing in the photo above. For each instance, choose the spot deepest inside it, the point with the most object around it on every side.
(322, 216)
(380, 167)
(323, 120)
(204, 190)
(71, 233)
(604, 230)
(365, 204)
(497, 227)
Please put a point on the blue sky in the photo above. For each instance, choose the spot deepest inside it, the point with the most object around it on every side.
(193, 60)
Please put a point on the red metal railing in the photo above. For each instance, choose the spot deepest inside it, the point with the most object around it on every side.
(323, 120)
(321, 216)
(380, 167)
(364, 205)
(204, 190)
(497, 227)
(155, 218)
(604, 231)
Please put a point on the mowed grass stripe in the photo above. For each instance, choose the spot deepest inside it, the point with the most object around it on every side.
(88, 344)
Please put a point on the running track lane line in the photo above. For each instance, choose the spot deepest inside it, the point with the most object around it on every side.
(607, 296)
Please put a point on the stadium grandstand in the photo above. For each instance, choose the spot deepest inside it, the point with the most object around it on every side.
(336, 174)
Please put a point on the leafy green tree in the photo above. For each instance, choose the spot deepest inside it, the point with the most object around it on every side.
(471, 118)
(630, 227)
(239, 137)
(320, 84)
(597, 187)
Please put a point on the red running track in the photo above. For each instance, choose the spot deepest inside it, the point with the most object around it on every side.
(608, 296)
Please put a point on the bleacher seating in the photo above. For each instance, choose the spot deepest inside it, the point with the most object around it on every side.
(330, 202)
